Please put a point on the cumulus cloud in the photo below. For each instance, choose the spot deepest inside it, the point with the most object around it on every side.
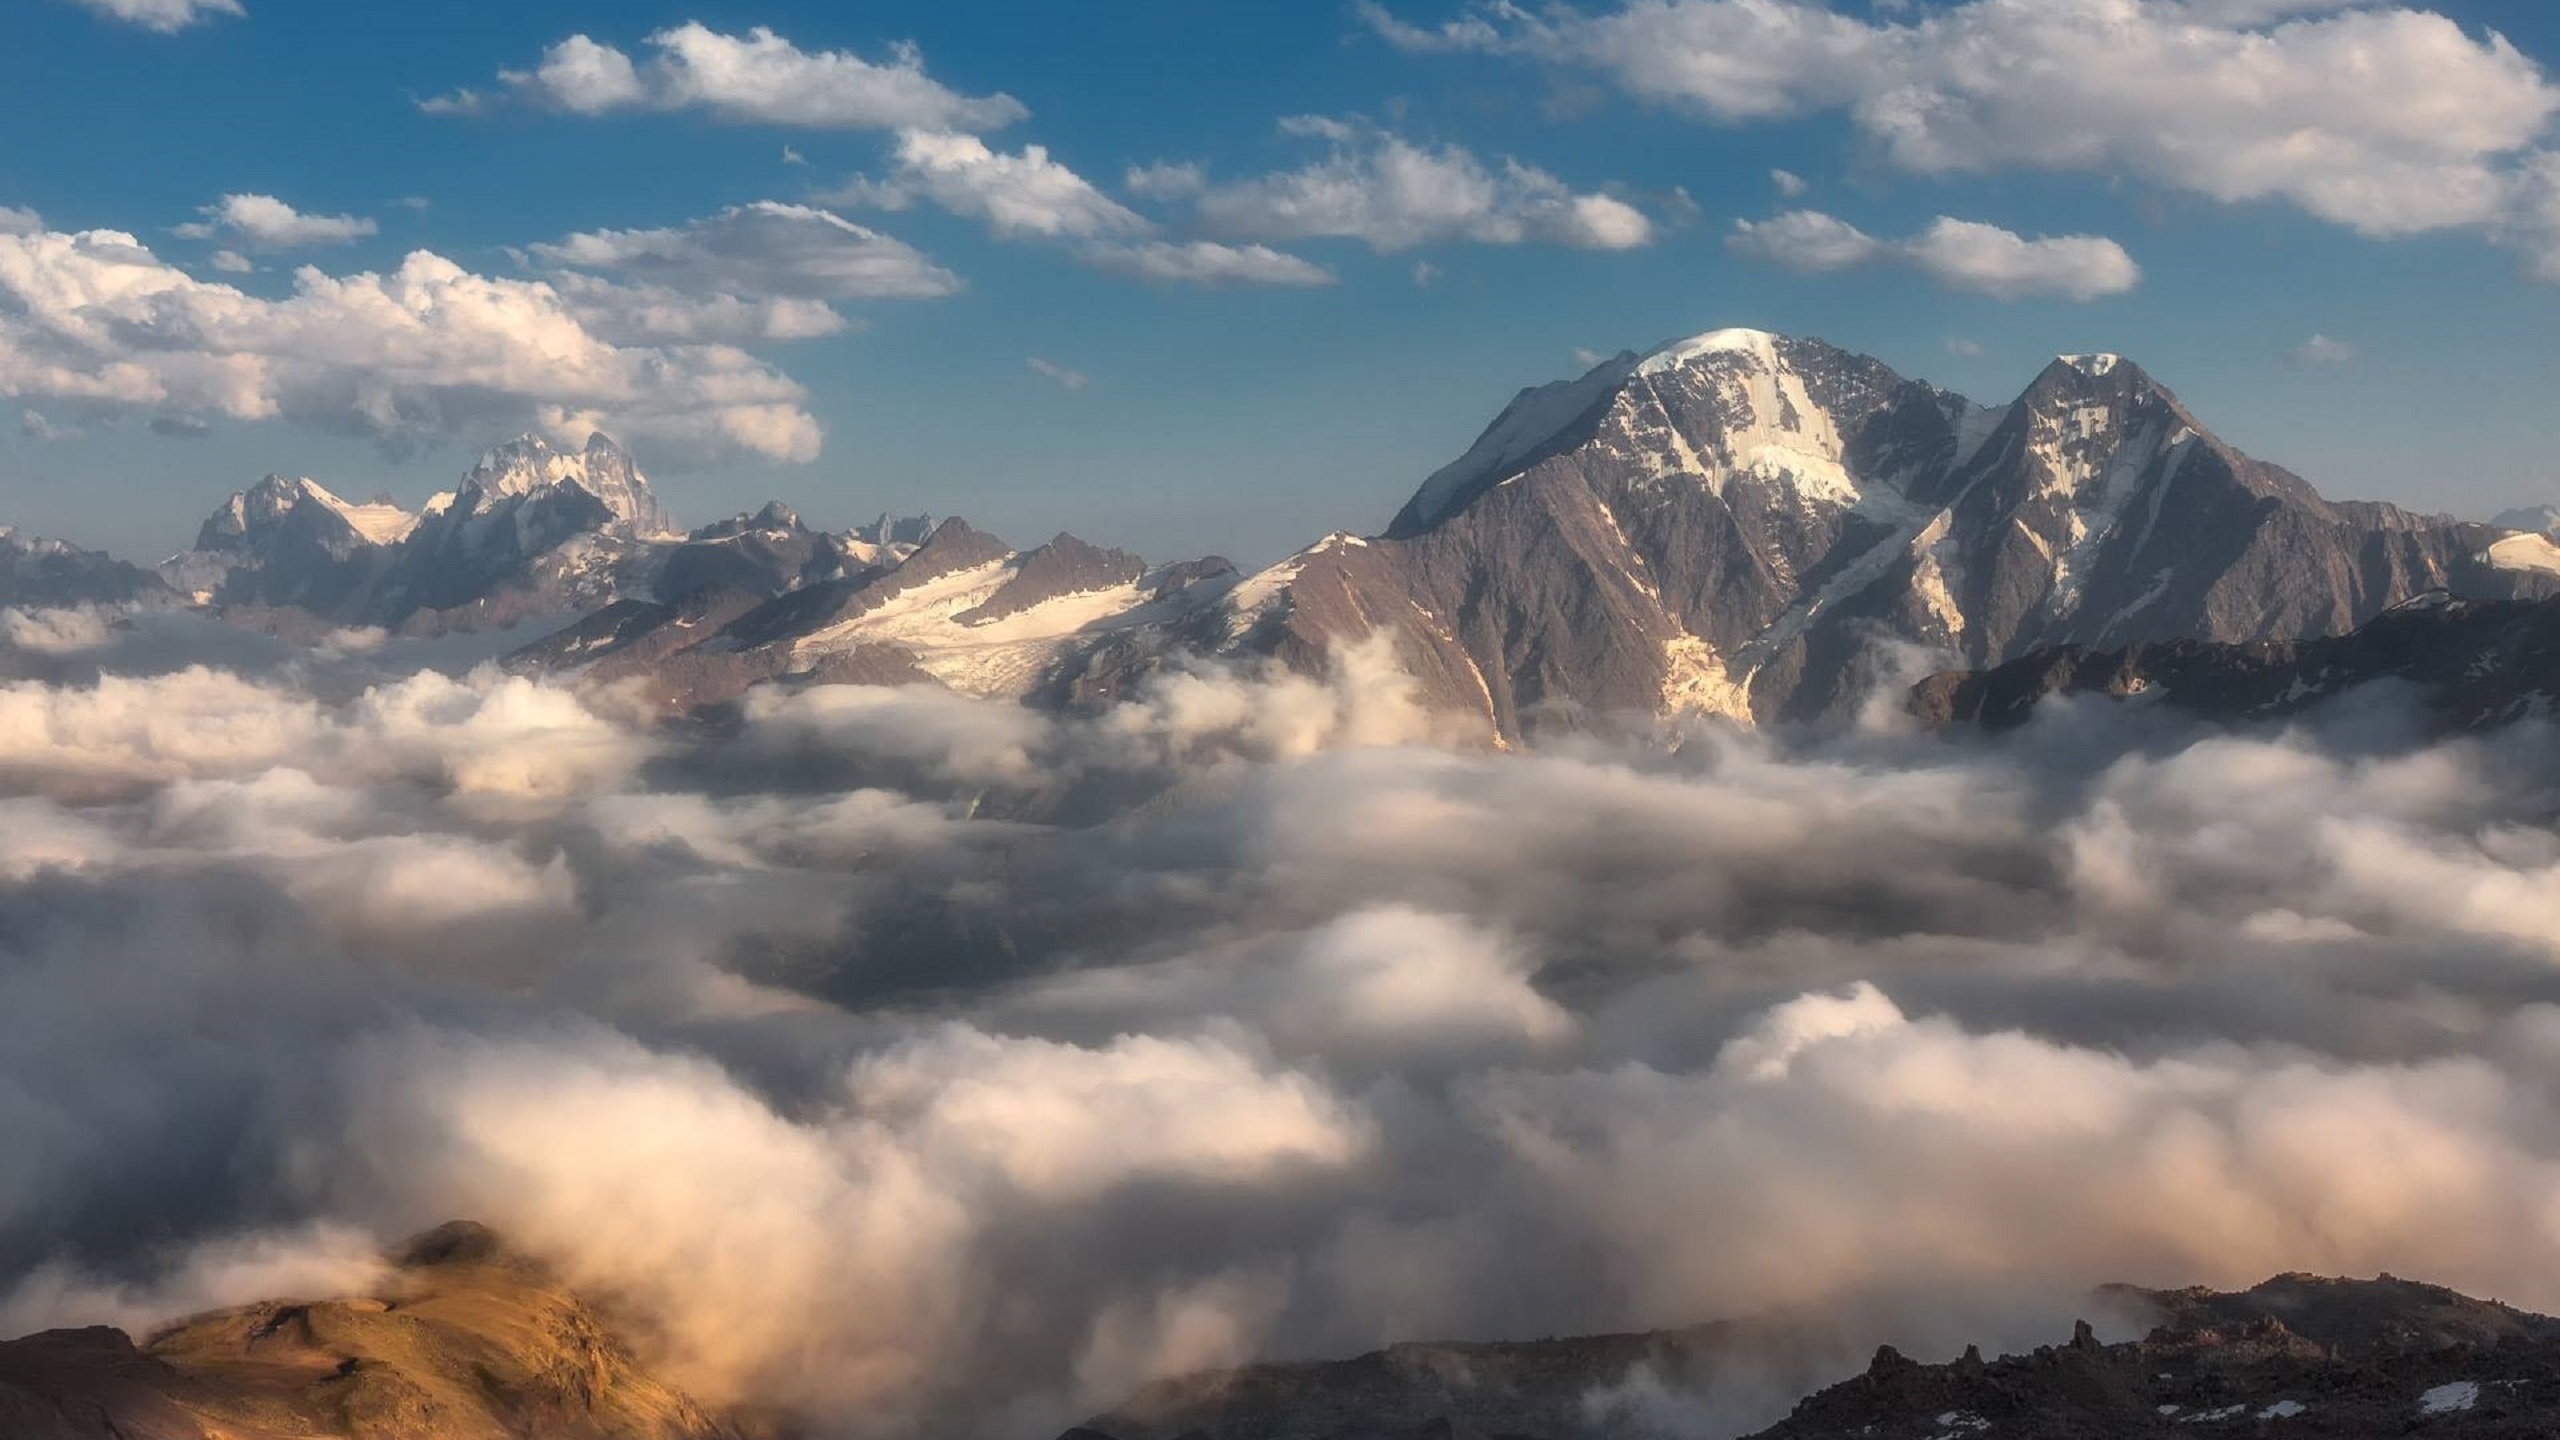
(17, 220)
(1205, 262)
(2242, 101)
(1165, 180)
(1018, 194)
(268, 223)
(1393, 194)
(165, 16)
(1789, 183)
(759, 77)
(1029, 195)
(409, 355)
(925, 1065)
(766, 249)
(764, 271)
(1961, 255)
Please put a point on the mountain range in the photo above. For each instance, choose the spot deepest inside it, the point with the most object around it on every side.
(1738, 523)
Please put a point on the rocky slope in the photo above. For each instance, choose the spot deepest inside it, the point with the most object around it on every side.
(1762, 526)
(963, 609)
(2472, 664)
(2297, 1356)
(35, 572)
(462, 1341)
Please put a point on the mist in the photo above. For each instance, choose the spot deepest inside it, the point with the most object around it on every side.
(926, 1065)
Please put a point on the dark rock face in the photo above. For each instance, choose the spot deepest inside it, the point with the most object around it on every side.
(37, 572)
(888, 622)
(1065, 566)
(2298, 1355)
(2531, 519)
(1543, 1388)
(1756, 525)
(2476, 664)
(768, 553)
(2295, 1356)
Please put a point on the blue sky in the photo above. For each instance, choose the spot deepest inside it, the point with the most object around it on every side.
(2238, 176)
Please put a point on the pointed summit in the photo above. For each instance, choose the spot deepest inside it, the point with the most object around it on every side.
(531, 463)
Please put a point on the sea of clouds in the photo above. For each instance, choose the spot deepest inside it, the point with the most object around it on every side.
(926, 1065)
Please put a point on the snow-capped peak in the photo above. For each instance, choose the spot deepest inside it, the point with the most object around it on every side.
(531, 463)
(2093, 366)
(378, 522)
(1759, 345)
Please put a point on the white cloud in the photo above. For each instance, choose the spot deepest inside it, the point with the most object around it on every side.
(165, 16)
(2320, 350)
(1030, 195)
(759, 77)
(1392, 194)
(1806, 241)
(1021, 194)
(1057, 374)
(792, 156)
(230, 262)
(418, 353)
(656, 314)
(1205, 262)
(768, 248)
(269, 223)
(1789, 183)
(1961, 255)
(1425, 274)
(764, 271)
(1165, 180)
(2532, 222)
(2386, 120)
(15, 220)
(582, 77)
(1964, 349)
(35, 426)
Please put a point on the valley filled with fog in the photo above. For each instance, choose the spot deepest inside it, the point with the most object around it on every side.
(916, 1063)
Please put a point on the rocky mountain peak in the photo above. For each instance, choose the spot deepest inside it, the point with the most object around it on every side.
(530, 464)
(297, 511)
(2532, 519)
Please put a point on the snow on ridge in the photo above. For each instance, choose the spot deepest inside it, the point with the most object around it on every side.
(379, 523)
(2092, 365)
(1532, 419)
(1758, 344)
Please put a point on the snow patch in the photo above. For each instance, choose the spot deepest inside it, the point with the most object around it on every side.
(2533, 553)
(1696, 681)
(2092, 365)
(378, 523)
(2447, 1399)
